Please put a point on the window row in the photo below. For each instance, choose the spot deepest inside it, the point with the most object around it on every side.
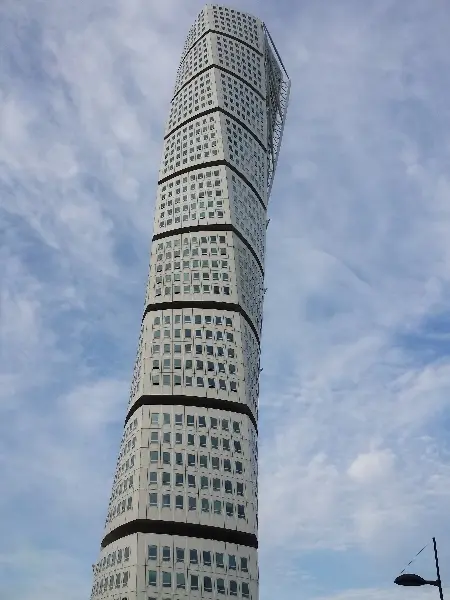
(188, 333)
(114, 558)
(190, 365)
(197, 421)
(209, 383)
(156, 478)
(199, 349)
(206, 558)
(206, 505)
(203, 251)
(195, 319)
(204, 461)
(194, 264)
(120, 508)
(193, 213)
(202, 441)
(203, 178)
(196, 582)
(113, 581)
(118, 490)
(193, 289)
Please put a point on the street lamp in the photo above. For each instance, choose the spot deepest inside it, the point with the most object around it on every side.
(410, 579)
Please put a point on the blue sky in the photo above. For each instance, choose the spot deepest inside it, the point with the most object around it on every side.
(355, 392)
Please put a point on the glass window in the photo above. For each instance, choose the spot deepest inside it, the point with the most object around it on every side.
(153, 477)
(179, 502)
(181, 583)
(192, 502)
(207, 558)
(194, 583)
(219, 560)
(220, 586)
(232, 562)
(167, 579)
(166, 553)
(152, 578)
(153, 499)
(207, 584)
(233, 588)
(152, 552)
(180, 554)
(193, 556)
(245, 590)
(179, 479)
(244, 564)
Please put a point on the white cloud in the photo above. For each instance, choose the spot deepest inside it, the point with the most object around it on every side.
(371, 467)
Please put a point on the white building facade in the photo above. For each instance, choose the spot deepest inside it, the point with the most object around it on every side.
(182, 519)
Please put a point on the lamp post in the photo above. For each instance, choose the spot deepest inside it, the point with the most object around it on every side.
(410, 579)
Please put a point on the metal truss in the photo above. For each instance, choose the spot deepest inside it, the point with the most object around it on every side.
(277, 100)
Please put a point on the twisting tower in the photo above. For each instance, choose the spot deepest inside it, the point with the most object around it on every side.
(182, 520)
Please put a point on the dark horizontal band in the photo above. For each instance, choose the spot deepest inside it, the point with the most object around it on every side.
(205, 304)
(228, 35)
(215, 66)
(210, 164)
(212, 227)
(199, 401)
(226, 113)
(192, 530)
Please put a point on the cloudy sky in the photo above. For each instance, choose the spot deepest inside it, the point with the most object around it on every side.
(355, 399)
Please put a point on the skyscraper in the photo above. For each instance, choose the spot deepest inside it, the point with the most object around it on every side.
(182, 520)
